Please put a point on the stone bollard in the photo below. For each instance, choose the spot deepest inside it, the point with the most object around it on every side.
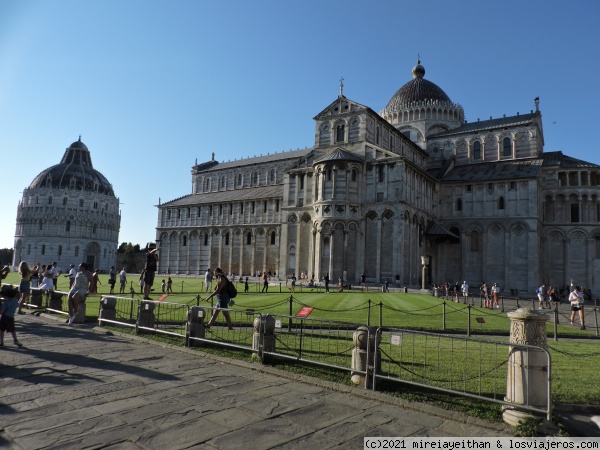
(37, 297)
(146, 317)
(197, 328)
(527, 378)
(108, 310)
(55, 301)
(361, 337)
(80, 317)
(264, 333)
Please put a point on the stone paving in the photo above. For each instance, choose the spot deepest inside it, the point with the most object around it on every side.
(74, 387)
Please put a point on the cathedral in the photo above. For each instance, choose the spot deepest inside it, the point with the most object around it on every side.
(69, 214)
(385, 194)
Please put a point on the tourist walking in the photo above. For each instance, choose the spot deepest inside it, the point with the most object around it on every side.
(71, 275)
(7, 315)
(465, 290)
(293, 287)
(326, 280)
(496, 294)
(112, 279)
(265, 282)
(222, 299)
(169, 285)
(24, 285)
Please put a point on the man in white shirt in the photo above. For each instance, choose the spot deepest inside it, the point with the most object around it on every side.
(123, 280)
(465, 290)
(55, 271)
(71, 275)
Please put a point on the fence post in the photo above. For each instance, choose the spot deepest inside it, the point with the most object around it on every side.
(502, 302)
(380, 314)
(182, 287)
(469, 321)
(444, 315)
(556, 322)
(369, 314)
(198, 300)
(596, 320)
(532, 304)
(290, 318)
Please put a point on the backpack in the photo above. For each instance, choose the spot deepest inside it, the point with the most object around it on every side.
(231, 290)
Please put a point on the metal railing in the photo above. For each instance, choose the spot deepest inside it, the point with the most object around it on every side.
(466, 366)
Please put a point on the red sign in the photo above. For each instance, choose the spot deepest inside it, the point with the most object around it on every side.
(304, 311)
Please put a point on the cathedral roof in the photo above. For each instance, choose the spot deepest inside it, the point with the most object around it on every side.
(235, 195)
(271, 158)
(339, 154)
(75, 171)
(496, 170)
(417, 91)
(566, 162)
(492, 124)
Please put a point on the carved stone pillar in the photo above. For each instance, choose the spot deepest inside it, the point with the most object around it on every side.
(527, 378)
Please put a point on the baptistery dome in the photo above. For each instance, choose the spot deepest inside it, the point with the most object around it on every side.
(68, 214)
(75, 171)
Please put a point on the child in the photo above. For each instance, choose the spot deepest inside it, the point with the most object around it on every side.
(7, 321)
(163, 286)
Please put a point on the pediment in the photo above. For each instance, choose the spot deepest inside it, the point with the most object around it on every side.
(340, 106)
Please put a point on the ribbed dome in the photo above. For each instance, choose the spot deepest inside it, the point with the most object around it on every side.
(417, 90)
(75, 171)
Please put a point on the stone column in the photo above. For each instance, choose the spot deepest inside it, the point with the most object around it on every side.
(263, 338)
(528, 377)
(196, 325)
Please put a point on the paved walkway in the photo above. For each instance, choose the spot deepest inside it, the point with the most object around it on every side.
(74, 387)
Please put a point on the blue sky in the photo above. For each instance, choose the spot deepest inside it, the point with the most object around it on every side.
(151, 86)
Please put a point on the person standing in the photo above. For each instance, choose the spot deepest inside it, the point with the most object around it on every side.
(208, 279)
(123, 280)
(363, 285)
(541, 294)
(222, 299)
(35, 276)
(95, 280)
(47, 283)
(246, 285)
(576, 299)
(496, 294)
(169, 285)
(71, 275)
(326, 280)
(150, 269)
(7, 312)
(25, 285)
(112, 279)
(55, 274)
(265, 278)
(293, 287)
(465, 290)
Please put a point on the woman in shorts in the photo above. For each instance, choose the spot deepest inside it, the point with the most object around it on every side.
(576, 299)
(25, 285)
(222, 299)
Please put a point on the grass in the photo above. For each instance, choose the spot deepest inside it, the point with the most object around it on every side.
(575, 361)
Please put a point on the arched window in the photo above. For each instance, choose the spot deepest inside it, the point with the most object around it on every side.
(240, 179)
(43, 249)
(506, 147)
(272, 176)
(60, 250)
(65, 201)
(227, 239)
(354, 174)
(49, 200)
(184, 241)
(255, 178)
(340, 133)
(476, 150)
(68, 226)
(249, 239)
(76, 251)
(459, 204)
(501, 203)
(94, 228)
(205, 238)
(272, 238)
(41, 224)
(329, 174)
